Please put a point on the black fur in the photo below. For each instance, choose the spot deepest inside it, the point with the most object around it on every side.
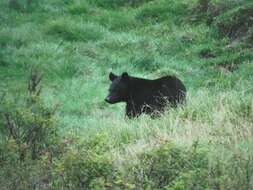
(145, 96)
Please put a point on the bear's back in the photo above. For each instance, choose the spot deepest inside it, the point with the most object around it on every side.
(172, 83)
(170, 87)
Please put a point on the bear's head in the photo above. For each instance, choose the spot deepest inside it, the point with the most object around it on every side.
(118, 91)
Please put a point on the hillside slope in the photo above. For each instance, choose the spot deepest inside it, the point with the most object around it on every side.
(79, 141)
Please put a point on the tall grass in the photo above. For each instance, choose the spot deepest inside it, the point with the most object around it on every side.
(219, 126)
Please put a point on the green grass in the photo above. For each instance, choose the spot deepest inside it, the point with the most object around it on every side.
(206, 144)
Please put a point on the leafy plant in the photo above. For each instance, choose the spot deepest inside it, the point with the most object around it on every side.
(28, 122)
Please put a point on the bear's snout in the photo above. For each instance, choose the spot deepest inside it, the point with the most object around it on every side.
(108, 99)
(112, 99)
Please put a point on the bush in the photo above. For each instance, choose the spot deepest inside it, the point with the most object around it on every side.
(28, 122)
(83, 169)
(28, 139)
(168, 166)
(21, 175)
(85, 165)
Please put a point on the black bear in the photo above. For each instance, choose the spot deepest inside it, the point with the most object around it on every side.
(145, 96)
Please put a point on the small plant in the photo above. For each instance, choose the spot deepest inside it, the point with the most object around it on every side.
(28, 122)
(85, 165)
(171, 167)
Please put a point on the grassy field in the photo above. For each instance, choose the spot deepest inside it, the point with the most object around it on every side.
(88, 144)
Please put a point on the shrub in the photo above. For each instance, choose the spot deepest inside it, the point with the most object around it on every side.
(85, 165)
(168, 166)
(28, 139)
(21, 175)
(82, 169)
(28, 122)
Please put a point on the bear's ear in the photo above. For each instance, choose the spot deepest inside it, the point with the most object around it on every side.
(125, 76)
(112, 76)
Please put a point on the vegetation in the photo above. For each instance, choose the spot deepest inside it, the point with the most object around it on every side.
(56, 131)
